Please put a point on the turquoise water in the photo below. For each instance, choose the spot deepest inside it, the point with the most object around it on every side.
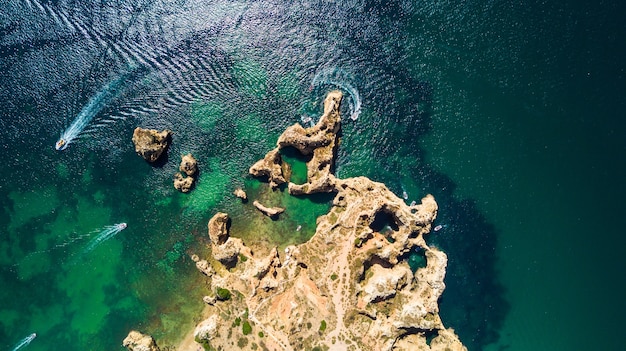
(511, 114)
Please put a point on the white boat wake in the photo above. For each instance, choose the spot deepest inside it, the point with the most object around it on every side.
(105, 234)
(93, 107)
(24, 342)
(340, 79)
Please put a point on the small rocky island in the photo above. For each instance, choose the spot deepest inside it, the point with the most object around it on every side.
(349, 287)
(183, 180)
(150, 143)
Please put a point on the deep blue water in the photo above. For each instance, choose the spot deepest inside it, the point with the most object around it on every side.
(510, 113)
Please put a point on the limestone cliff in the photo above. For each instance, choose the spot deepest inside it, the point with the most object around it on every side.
(349, 287)
(319, 141)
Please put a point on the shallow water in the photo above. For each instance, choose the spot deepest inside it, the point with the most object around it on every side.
(508, 113)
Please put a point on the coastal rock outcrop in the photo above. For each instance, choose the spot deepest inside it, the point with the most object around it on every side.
(183, 184)
(188, 165)
(320, 141)
(150, 144)
(270, 167)
(224, 248)
(136, 341)
(350, 287)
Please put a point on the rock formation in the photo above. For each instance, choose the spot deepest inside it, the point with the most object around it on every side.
(183, 184)
(269, 167)
(184, 181)
(268, 211)
(150, 143)
(319, 140)
(136, 341)
(240, 193)
(188, 165)
(224, 248)
(349, 287)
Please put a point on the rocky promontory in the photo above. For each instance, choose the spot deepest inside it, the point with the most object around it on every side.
(350, 287)
(318, 141)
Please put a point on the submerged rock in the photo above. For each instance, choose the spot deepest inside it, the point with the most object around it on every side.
(136, 341)
(150, 144)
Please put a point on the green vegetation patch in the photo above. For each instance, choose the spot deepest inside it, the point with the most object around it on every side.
(246, 328)
(222, 294)
(242, 342)
(323, 325)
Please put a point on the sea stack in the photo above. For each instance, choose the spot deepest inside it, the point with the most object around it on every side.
(268, 211)
(150, 143)
(188, 165)
(183, 180)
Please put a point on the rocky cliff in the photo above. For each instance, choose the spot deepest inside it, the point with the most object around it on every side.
(349, 287)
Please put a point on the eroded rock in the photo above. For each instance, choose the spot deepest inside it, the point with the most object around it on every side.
(183, 184)
(218, 228)
(270, 167)
(150, 143)
(136, 341)
(184, 180)
(240, 193)
(268, 211)
(224, 248)
(207, 329)
(188, 165)
(319, 140)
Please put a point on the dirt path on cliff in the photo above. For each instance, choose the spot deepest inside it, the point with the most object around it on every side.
(341, 295)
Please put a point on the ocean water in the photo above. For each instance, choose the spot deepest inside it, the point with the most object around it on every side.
(510, 113)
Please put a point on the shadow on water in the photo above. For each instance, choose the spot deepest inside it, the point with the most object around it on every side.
(474, 301)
